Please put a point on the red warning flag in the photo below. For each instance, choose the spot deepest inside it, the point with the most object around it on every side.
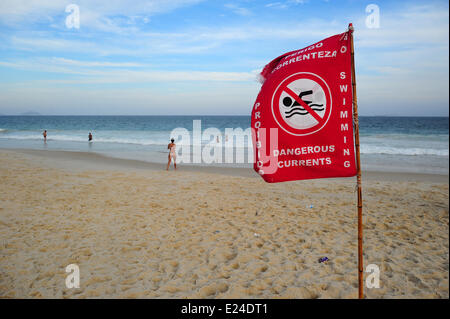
(302, 120)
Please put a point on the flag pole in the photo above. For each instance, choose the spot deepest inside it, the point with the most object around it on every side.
(358, 168)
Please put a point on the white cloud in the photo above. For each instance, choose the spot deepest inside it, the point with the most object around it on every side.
(94, 72)
(238, 9)
(192, 41)
(95, 14)
(277, 5)
(95, 63)
(397, 30)
(285, 4)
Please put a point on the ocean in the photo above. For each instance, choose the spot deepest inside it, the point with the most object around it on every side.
(397, 144)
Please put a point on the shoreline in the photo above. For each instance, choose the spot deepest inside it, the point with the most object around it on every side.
(80, 161)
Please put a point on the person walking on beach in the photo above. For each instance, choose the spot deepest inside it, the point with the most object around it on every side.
(45, 135)
(90, 137)
(172, 154)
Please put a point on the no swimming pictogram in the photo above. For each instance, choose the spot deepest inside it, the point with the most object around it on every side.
(301, 104)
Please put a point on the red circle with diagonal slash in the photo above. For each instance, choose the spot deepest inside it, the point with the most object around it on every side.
(283, 86)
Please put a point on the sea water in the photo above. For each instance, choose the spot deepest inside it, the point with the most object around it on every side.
(403, 144)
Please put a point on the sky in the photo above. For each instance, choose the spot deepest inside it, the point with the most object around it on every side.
(193, 57)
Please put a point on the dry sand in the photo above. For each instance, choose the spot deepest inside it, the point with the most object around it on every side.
(148, 233)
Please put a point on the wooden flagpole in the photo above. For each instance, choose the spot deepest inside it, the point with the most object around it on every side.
(358, 168)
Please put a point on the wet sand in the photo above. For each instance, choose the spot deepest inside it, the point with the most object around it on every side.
(137, 231)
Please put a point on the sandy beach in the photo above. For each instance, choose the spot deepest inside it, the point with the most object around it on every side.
(137, 231)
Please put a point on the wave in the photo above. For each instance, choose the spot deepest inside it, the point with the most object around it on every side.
(435, 148)
(66, 138)
(296, 113)
(402, 151)
(300, 109)
(3, 130)
(143, 142)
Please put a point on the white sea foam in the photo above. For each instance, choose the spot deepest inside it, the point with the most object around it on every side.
(67, 138)
(371, 149)
(369, 145)
(116, 140)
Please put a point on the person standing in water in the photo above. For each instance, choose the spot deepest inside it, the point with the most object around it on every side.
(90, 137)
(45, 135)
(172, 154)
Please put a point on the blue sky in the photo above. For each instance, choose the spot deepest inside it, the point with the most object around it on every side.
(202, 57)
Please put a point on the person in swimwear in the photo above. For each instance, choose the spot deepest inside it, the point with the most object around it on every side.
(90, 137)
(45, 135)
(172, 154)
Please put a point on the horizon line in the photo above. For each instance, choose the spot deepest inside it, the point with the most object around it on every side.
(199, 115)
